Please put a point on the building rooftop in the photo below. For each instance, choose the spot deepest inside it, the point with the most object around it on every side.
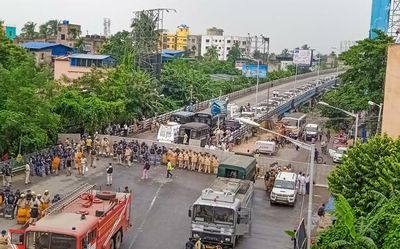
(40, 45)
(90, 56)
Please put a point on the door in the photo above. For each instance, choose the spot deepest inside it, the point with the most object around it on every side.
(17, 237)
(244, 221)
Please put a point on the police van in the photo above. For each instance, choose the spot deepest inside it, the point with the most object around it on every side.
(284, 190)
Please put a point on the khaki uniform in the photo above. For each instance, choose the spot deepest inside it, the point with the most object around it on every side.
(194, 161)
(201, 163)
(207, 164)
(45, 202)
(180, 160)
(22, 211)
(214, 164)
(186, 160)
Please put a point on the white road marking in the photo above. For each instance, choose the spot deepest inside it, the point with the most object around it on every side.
(140, 228)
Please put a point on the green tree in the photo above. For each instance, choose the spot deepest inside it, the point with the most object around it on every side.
(234, 53)
(285, 52)
(28, 31)
(373, 166)
(25, 110)
(363, 81)
(211, 53)
(117, 45)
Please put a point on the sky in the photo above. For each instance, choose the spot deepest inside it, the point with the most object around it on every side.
(321, 24)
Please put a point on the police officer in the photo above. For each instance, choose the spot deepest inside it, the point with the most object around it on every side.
(180, 160)
(200, 163)
(215, 164)
(207, 164)
(194, 161)
(45, 200)
(34, 214)
(186, 160)
(109, 172)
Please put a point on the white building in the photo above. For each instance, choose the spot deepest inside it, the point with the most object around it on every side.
(224, 44)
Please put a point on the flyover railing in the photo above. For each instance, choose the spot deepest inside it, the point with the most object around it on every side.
(145, 125)
(282, 108)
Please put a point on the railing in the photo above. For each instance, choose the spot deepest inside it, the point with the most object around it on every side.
(163, 118)
(18, 166)
(284, 107)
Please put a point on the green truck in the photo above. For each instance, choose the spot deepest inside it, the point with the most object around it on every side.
(238, 166)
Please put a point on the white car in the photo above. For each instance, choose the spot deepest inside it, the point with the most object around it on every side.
(284, 190)
(338, 154)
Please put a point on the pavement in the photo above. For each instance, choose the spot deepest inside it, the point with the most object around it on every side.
(262, 95)
(160, 205)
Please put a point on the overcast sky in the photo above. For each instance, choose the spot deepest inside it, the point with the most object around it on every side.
(289, 23)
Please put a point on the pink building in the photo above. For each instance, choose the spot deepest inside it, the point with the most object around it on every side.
(76, 65)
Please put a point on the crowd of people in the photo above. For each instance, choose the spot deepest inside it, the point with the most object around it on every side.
(27, 206)
(192, 160)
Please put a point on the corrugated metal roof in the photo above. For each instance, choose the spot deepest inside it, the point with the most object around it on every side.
(90, 56)
(40, 45)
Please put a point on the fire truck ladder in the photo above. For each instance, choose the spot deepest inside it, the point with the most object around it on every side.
(69, 198)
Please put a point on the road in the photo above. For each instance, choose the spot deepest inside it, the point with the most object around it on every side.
(160, 205)
(262, 95)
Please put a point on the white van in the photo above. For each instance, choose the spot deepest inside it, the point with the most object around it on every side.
(284, 190)
(168, 133)
(266, 147)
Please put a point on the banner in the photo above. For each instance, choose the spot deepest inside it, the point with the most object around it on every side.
(379, 16)
(251, 70)
(302, 57)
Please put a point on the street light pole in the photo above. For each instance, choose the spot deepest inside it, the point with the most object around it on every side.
(258, 80)
(354, 115)
(309, 147)
(378, 127)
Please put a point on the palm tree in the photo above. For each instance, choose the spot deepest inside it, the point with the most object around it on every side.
(285, 52)
(52, 27)
(28, 31)
(43, 31)
(212, 53)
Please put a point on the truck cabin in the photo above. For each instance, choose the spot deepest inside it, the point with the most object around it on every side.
(182, 117)
(216, 215)
(206, 117)
(77, 223)
(295, 123)
(239, 167)
(198, 133)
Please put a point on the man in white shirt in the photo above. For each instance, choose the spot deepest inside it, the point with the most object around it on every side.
(302, 181)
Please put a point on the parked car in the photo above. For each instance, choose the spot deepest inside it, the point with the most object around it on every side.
(338, 154)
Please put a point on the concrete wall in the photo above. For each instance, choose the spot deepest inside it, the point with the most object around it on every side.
(391, 104)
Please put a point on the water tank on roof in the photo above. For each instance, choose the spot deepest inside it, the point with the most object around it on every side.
(65, 22)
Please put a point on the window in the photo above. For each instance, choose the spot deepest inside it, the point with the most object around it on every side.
(228, 41)
(184, 47)
(59, 29)
(207, 40)
(42, 56)
(62, 36)
(216, 40)
(193, 40)
(169, 39)
(220, 41)
(228, 48)
(207, 47)
(244, 43)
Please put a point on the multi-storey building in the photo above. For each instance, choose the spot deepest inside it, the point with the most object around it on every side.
(224, 44)
(177, 41)
(67, 34)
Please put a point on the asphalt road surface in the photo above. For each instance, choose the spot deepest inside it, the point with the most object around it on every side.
(262, 95)
(160, 205)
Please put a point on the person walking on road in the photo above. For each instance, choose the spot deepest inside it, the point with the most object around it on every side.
(146, 169)
(302, 181)
(307, 184)
(170, 167)
(6, 172)
(109, 172)
(27, 174)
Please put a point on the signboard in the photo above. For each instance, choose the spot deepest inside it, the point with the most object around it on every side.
(379, 16)
(302, 57)
(251, 70)
(218, 107)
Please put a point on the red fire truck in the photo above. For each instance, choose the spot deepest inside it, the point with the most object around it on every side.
(83, 219)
